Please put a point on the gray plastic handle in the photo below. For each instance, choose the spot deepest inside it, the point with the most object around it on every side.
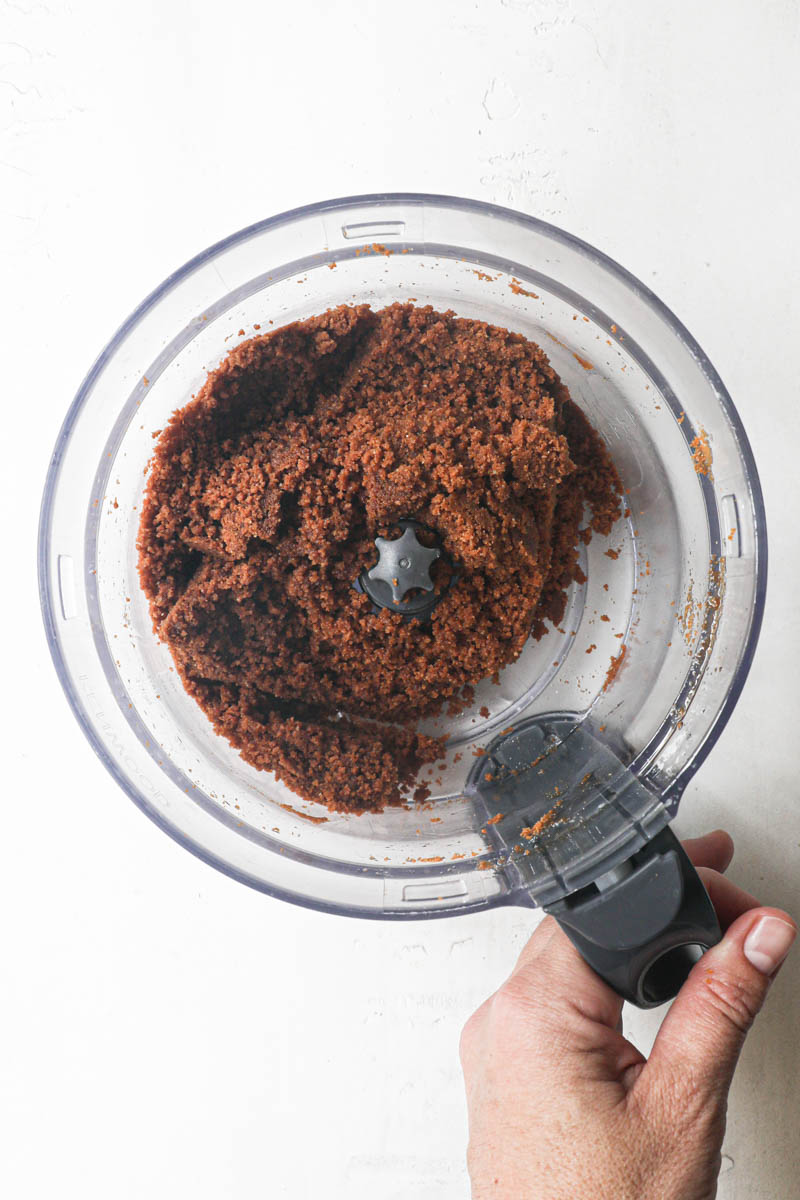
(643, 925)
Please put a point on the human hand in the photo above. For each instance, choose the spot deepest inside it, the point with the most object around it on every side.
(563, 1107)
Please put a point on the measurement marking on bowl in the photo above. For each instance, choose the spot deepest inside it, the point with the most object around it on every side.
(66, 587)
(373, 231)
(439, 889)
(731, 541)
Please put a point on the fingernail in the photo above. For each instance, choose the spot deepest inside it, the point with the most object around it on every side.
(768, 943)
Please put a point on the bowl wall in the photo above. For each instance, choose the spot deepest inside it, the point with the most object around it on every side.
(680, 579)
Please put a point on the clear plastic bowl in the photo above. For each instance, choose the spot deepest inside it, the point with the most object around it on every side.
(683, 587)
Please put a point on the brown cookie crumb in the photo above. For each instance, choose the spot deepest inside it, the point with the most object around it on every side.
(265, 495)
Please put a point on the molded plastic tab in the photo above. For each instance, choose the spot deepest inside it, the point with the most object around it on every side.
(555, 774)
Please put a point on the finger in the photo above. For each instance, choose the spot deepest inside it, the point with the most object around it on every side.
(536, 944)
(713, 850)
(550, 956)
(554, 970)
(729, 900)
(699, 1042)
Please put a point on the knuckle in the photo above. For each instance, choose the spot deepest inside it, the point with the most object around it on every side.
(511, 1003)
(511, 1015)
(476, 1155)
(473, 1030)
(520, 1016)
(733, 999)
(468, 1037)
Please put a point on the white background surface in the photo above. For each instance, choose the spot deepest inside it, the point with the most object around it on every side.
(166, 1032)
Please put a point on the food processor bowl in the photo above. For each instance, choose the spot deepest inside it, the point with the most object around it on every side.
(560, 779)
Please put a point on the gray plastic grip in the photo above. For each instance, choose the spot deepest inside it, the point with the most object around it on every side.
(643, 925)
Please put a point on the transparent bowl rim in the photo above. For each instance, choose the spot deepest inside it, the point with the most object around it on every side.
(644, 295)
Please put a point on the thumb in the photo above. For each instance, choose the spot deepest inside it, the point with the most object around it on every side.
(701, 1037)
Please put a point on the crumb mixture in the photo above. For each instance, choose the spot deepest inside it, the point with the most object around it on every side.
(266, 493)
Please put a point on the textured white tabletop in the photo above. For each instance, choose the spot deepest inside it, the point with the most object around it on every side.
(165, 1031)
